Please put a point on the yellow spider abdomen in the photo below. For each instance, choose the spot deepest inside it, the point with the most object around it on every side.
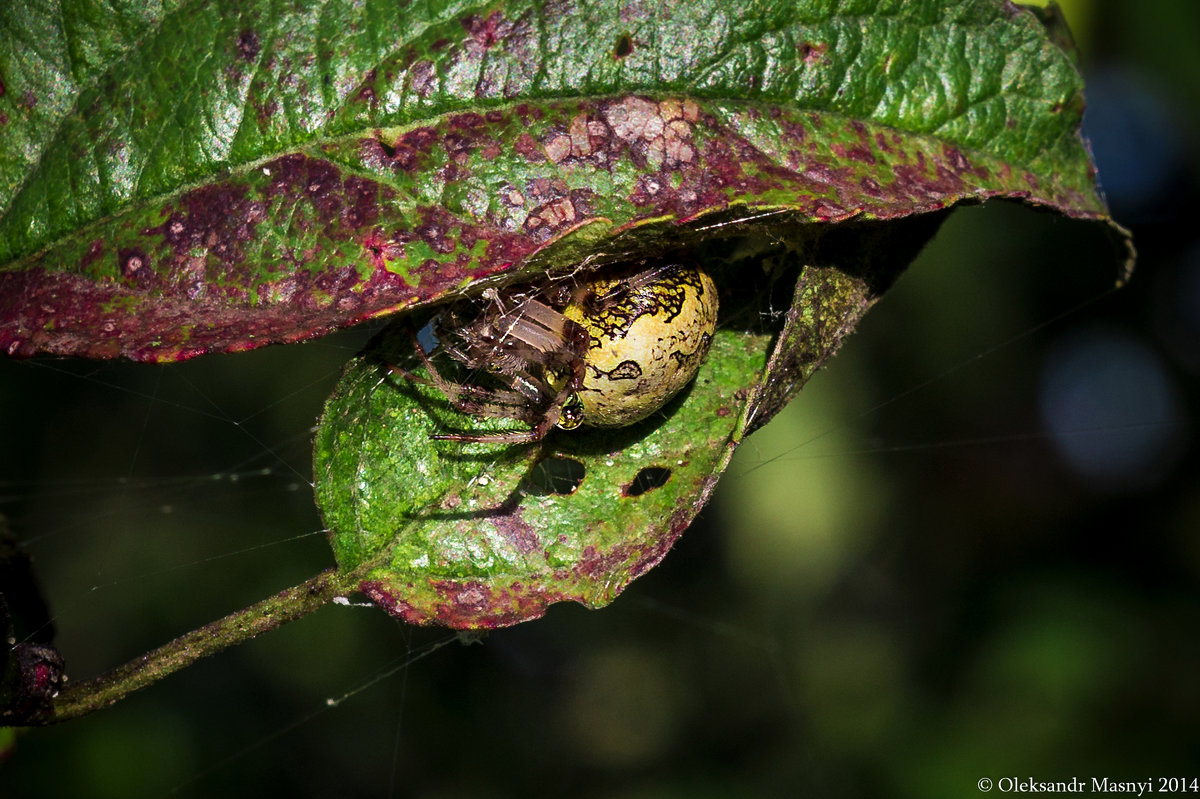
(647, 341)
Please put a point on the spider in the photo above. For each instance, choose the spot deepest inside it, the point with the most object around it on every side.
(606, 352)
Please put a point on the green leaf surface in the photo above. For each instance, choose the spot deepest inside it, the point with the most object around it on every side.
(478, 535)
(178, 179)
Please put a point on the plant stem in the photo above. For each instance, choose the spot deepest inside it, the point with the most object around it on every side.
(81, 698)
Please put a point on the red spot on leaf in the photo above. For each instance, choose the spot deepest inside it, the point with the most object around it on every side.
(487, 31)
(871, 187)
(812, 52)
(367, 92)
(955, 159)
(527, 147)
(422, 78)
(408, 152)
(517, 532)
(135, 266)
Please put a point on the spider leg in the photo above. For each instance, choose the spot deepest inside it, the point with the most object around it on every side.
(538, 428)
(508, 437)
(462, 396)
(510, 404)
(435, 378)
(534, 361)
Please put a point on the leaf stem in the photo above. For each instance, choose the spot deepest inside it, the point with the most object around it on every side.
(81, 698)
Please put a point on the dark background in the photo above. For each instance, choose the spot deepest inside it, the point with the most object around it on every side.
(971, 548)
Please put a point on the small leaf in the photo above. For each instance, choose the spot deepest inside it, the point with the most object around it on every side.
(198, 178)
(479, 535)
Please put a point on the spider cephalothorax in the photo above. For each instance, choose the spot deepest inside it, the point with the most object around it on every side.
(606, 351)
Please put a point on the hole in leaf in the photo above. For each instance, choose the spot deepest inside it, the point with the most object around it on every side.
(647, 479)
(388, 149)
(624, 46)
(556, 475)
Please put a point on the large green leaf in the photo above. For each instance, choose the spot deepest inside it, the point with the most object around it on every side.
(192, 178)
(182, 178)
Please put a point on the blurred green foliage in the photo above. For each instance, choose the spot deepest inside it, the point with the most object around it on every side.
(902, 585)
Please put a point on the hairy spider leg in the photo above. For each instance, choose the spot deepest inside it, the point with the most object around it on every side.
(503, 404)
(566, 355)
(453, 390)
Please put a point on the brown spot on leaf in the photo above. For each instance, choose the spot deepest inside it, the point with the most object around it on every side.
(248, 45)
(466, 121)
(209, 217)
(462, 604)
(581, 145)
(584, 138)
(266, 112)
(362, 202)
(527, 112)
(856, 152)
(828, 210)
(818, 172)
(913, 183)
(558, 148)
(792, 130)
